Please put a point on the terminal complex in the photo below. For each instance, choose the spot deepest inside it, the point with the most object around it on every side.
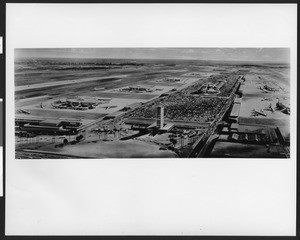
(151, 109)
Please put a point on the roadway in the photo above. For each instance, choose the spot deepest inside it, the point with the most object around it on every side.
(204, 142)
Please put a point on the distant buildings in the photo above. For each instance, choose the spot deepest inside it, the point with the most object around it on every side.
(235, 112)
(75, 104)
(137, 89)
(52, 126)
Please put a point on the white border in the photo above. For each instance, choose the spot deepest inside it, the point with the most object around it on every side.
(165, 197)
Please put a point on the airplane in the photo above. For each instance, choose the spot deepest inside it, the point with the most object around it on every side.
(256, 113)
(98, 88)
(266, 99)
(270, 108)
(286, 111)
(283, 108)
(108, 107)
(23, 111)
(264, 90)
(271, 89)
(41, 105)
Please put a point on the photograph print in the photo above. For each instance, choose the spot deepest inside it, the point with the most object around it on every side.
(152, 103)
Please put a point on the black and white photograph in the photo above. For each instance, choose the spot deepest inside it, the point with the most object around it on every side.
(152, 103)
(150, 119)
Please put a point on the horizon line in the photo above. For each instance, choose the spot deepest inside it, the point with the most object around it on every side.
(170, 59)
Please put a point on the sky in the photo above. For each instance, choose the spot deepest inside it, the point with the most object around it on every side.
(281, 55)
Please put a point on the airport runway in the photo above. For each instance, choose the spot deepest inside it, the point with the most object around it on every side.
(60, 83)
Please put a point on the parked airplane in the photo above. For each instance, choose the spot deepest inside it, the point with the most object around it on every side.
(98, 88)
(270, 108)
(264, 90)
(267, 99)
(271, 89)
(286, 111)
(41, 105)
(283, 107)
(256, 113)
(108, 107)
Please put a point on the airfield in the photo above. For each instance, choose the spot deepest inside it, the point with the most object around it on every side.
(109, 109)
(256, 98)
(261, 118)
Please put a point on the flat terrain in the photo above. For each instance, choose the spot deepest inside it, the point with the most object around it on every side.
(115, 149)
(239, 150)
(66, 82)
(39, 84)
(136, 89)
(256, 97)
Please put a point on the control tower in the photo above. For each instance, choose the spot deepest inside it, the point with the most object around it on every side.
(160, 116)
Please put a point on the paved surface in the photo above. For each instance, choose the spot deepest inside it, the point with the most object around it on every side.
(59, 83)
